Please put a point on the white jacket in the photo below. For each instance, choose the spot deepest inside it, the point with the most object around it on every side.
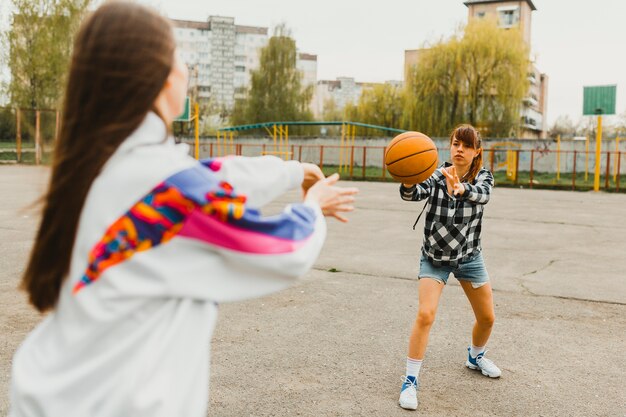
(162, 239)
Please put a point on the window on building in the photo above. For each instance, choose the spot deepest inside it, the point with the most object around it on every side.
(480, 15)
(240, 68)
(508, 17)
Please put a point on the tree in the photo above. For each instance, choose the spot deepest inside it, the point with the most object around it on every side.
(332, 113)
(586, 126)
(477, 77)
(380, 105)
(434, 91)
(563, 126)
(276, 91)
(620, 125)
(7, 124)
(39, 45)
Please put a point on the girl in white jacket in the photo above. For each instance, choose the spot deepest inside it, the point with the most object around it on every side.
(139, 242)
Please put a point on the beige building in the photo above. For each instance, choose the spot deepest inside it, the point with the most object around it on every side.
(307, 65)
(509, 14)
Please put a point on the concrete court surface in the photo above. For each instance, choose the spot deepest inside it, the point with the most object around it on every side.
(335, 344)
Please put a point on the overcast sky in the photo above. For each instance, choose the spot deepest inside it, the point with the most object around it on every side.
(575, 42)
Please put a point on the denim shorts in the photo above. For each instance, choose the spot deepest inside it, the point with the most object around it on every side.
(472, 270)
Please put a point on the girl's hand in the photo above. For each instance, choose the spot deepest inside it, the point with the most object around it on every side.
(312, 174)
(454, 184)
(333, 200)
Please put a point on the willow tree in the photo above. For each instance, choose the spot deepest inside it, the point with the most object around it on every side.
(478, 76)
(380, 105)
(276, 89)
(435, 95)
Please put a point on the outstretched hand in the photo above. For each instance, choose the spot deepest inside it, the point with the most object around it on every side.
(454, 184)
(312, 174)
(332, 199)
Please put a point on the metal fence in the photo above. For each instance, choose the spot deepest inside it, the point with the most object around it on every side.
(32, 137)
(515, 167)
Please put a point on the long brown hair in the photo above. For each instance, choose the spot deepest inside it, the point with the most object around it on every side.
(470, 137)
(122, 56)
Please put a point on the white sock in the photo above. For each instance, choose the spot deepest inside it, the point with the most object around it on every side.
(476, 350)
(413, 367)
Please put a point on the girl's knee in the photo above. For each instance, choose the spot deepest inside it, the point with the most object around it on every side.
(487, 321)
(425, 317)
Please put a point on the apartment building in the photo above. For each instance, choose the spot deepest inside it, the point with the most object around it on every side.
(220, 56)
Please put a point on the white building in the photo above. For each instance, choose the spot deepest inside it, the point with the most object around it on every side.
(342, 91)
(221, 57)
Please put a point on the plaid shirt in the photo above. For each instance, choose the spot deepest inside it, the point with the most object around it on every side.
(453, 224)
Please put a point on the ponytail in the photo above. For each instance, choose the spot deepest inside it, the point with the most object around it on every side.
(122, 56)
(474, 169)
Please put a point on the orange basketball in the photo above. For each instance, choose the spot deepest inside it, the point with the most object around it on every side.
(411, 157)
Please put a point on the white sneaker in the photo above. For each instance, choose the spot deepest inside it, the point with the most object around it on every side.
(408, 395)
(484, 365)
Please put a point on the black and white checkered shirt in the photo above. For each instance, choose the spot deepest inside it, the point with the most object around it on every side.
(453, 224)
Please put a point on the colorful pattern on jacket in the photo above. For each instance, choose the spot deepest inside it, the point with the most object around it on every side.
(195, 204)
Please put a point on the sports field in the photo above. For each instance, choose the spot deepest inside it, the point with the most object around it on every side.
(335, 344)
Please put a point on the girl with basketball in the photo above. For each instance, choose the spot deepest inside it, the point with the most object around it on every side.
(139, 242)
(457, 194)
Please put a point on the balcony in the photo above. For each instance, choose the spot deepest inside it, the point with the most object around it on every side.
(531, 100)
(530, 123)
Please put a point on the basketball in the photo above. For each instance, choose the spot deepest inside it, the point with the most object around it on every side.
(411, 157)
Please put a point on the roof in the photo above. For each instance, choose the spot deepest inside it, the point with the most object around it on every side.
(470, 2)
(254, 30)
(191, 24)
(308, 57)
(188, 24)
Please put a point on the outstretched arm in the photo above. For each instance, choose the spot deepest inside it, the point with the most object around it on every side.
(480, 192)
(261, 179)
(258, 255)
(195, 236)
(416, 192)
